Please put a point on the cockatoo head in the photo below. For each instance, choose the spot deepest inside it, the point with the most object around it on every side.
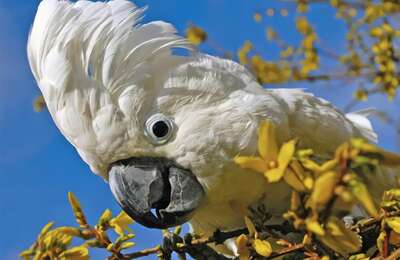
(155, 125)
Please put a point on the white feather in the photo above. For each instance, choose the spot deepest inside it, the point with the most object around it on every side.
(360, 120)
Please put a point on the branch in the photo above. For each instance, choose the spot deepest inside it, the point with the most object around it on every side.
(142, 253)
(197, 248)
(285, 251)
(357, 5)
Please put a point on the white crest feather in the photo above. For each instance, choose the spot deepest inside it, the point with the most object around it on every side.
(85, 55)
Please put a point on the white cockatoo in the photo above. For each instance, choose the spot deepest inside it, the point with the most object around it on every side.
(163, 128)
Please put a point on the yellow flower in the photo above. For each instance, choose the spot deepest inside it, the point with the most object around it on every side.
(339, 238)
(250, 227)
(257, 17)
(121, 223)
(75, 253)
(302, 7)
(287, 52)
(244, 52)
(272, 161)
(70, 231)
(303, 26)
(196, 35)
(262, 247)
(324, 189)
(271, 34)
(394, 223)
(242, 247)
(380, 242)
(361, 193)
(361, 94)
(314, 226)
(39, 104)
(77, 209)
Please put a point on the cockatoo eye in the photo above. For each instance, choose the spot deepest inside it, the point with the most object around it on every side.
(159, 129)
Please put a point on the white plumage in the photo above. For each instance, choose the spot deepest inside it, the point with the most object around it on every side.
(102, 75)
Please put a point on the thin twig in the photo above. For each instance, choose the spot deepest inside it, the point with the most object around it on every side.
(285, 251)
(142, 253)
(364, 223)
(218, 238)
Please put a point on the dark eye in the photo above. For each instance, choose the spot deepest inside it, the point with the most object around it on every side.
(159, 129)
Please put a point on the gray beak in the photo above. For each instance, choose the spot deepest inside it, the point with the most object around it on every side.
(155, 192)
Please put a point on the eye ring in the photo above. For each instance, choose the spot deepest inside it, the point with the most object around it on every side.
(159, 129)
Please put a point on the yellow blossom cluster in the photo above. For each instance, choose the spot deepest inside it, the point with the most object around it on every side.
(302, 6)
(196, 35)
(353, 63)
(251, 241)
(311, 59)
(57, 243)
(379, 51)
(385, 58)
(371, 60)
(374, 11)
(243, 53)
(288, 68)
(266, 71)
(323, 191)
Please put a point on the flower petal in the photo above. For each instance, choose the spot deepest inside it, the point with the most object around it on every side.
(76, 253)
(286, 153)
(262, 247)
(360, 191)
(267, 143)
(250, 162)
(241, 242)
(324, 189)
(339, 238)
(275, 175)
(250, 226)
(121, 223)
(313, 166)
(394, 223)
(315, 227)
(293, 180)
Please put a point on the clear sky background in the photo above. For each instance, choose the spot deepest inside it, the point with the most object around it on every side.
(38, 166)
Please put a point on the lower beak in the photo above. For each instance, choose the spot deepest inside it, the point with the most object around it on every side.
(155, 192)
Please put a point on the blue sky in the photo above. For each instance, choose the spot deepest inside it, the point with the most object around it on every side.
(37, 165)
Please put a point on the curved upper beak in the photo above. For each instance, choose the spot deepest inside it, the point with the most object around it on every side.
(155, 192)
